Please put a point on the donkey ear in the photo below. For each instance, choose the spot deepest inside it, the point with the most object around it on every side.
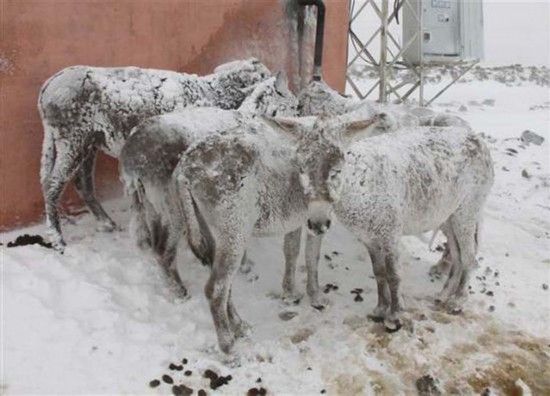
(289, 126)
(358, 129)
(248, 90)
(281, 81)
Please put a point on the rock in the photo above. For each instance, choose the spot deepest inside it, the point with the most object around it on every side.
(462, 108)
(287, 315)
(544, 286)
(489, 102)
(531, 137)
(525, 174)
(491, 308)
(426, 386)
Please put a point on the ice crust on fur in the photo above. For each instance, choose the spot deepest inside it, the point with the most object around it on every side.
(85, 109)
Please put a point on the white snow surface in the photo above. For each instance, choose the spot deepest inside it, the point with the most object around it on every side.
(99, 319)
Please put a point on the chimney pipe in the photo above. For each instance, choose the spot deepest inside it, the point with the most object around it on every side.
(319, 34)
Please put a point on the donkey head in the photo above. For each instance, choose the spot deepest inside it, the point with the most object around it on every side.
(271, 97)
(230, 81)
(320, 157)
(317, 98)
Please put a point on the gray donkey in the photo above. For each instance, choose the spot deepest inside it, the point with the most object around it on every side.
(249, 182)
(84, 109)
(153, 149)
(399, 183)
(317, 98)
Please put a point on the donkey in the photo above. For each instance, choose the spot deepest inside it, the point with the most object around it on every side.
(84, 109)
(399, 183)
(320, 99)
(153, 149)
(248, 182)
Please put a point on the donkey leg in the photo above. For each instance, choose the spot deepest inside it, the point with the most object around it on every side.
(313, 249)
(465, 229)
(84, 183)
(452, 279)
(218, 287)
(291, 249)
(443, 265)
(167, 257)
(238, 325)
(392, 321)
(379, 269)
(54, 180)
(139, 227)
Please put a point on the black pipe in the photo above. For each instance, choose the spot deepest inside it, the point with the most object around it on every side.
(319, 35)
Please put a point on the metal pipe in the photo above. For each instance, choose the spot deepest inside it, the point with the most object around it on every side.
(319, 35)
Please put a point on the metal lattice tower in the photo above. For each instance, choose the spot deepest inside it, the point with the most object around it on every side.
(388, 62)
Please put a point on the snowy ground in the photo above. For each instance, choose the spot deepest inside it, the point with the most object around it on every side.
(98, 319)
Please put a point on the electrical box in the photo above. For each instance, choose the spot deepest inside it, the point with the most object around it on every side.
(447, 31)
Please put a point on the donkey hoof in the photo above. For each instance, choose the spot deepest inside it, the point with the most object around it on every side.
(226, 344)
(107, 226)
(392, 325)
(378, 314)
(375, 319)
(292, 298)
(58, 243)
(453, 307)
(320, 303)
(243, 329)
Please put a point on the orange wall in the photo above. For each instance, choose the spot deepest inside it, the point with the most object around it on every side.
(40, 37)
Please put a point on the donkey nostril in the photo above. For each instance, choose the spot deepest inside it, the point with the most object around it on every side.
(328, 223)
(309, 225)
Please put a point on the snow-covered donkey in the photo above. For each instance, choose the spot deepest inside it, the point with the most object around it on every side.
(249, 182)
(399, 183)
(319, 99)
(84, 109)
(153, 149)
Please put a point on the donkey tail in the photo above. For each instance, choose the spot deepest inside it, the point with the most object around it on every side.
(198, 234)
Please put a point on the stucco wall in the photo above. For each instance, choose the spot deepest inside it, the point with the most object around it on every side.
(40, 37)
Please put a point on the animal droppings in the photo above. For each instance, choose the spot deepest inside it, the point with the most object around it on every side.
(26, 239)
(256, 392)
(426, 386)
(187, 373)
(181, 390)
(175, 367)
(154, 383)
(166, 378)
(215, 380)
(202, 392)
